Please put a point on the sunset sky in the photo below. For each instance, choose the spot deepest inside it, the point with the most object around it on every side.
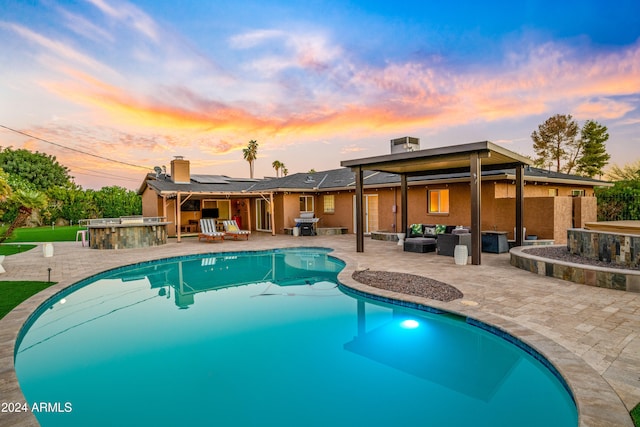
(116, 87)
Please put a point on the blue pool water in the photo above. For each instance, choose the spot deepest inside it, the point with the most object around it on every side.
(269, 339)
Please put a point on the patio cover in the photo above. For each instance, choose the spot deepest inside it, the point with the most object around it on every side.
(473, 158)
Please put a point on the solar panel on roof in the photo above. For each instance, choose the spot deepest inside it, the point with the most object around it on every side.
(209, 179)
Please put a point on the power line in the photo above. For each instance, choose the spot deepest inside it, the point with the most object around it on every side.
(113, 177)
(100, 173)
(74, 149)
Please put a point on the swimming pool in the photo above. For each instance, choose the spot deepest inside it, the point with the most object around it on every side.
(269, 338)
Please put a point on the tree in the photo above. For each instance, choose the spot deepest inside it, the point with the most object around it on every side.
(41, 171)
(628, 172)
(5, 188)
(27, 200)
(277, 165)
(251, 154)
(594, 154)
(555, 141)
(620, 202)
(285, 171)
(72, 204)
(114, 202)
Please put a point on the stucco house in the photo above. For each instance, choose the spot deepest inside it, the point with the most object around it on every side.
(553, 201)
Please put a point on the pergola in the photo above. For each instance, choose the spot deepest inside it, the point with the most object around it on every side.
(472, 158)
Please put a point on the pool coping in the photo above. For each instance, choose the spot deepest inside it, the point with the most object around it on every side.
(597, 403)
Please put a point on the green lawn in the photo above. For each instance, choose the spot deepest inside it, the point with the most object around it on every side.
(13, 293)
(14, 249)
(635, 414)
(44, 234)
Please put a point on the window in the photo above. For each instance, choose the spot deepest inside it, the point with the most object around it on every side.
(578, 193)
(438, 201)
(306, 203)
(329, 202)
(553, 192)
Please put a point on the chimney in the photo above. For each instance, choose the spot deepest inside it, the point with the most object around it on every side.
(180, 170)
(404, 144)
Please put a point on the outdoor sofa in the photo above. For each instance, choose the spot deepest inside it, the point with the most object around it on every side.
(424, 238)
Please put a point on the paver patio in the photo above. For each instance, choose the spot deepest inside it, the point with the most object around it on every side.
(590, 334)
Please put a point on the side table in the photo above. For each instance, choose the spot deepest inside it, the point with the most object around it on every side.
(495, 242)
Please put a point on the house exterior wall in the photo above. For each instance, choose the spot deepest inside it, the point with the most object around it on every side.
(386, 217)
(151, 203)
(507, 189)
(343, 212)
(585, 209)
(545, 217)
(562, 218)
(497, 204)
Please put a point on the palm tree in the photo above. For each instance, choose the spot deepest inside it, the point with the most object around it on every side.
(285, 171)
(277, 165)
(28, 200)
(250, 154)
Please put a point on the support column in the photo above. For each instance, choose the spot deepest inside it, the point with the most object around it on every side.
(519, 205)
(403, 203)
(271, 215)
(359, 211)
(178, 217)
(249, 213)
(475, 180)
(164, 207)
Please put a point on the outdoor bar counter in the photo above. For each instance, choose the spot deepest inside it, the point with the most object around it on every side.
(127, 232)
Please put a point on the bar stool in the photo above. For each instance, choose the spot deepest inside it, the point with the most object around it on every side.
(83, 235)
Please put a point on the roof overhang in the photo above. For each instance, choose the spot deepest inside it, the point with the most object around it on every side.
(451, 159)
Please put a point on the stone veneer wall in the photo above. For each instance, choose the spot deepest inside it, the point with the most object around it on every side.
(141, 236)
(618, 249)
(610, 278)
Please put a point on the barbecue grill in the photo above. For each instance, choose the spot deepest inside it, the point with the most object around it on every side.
(306, 222)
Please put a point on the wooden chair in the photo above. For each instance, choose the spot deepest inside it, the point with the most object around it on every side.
(208, 230)
(231, 229)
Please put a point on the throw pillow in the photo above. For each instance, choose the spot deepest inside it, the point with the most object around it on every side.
(416, 229)
(440, 228)
(232, 228)
(429, 231)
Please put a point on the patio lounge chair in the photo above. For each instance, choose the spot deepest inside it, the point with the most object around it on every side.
(208, 230)
(231, 229)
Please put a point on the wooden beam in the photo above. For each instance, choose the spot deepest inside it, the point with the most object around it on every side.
(475, 180)
(249, 213)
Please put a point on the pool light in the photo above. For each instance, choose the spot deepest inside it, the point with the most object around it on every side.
(409, 324)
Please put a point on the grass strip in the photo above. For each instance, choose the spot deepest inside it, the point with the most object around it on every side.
(635, 415)
(15, 249)
(13, 293)
(45, 234)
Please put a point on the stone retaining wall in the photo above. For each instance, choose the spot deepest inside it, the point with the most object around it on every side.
(618, 249)
(611, 278)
